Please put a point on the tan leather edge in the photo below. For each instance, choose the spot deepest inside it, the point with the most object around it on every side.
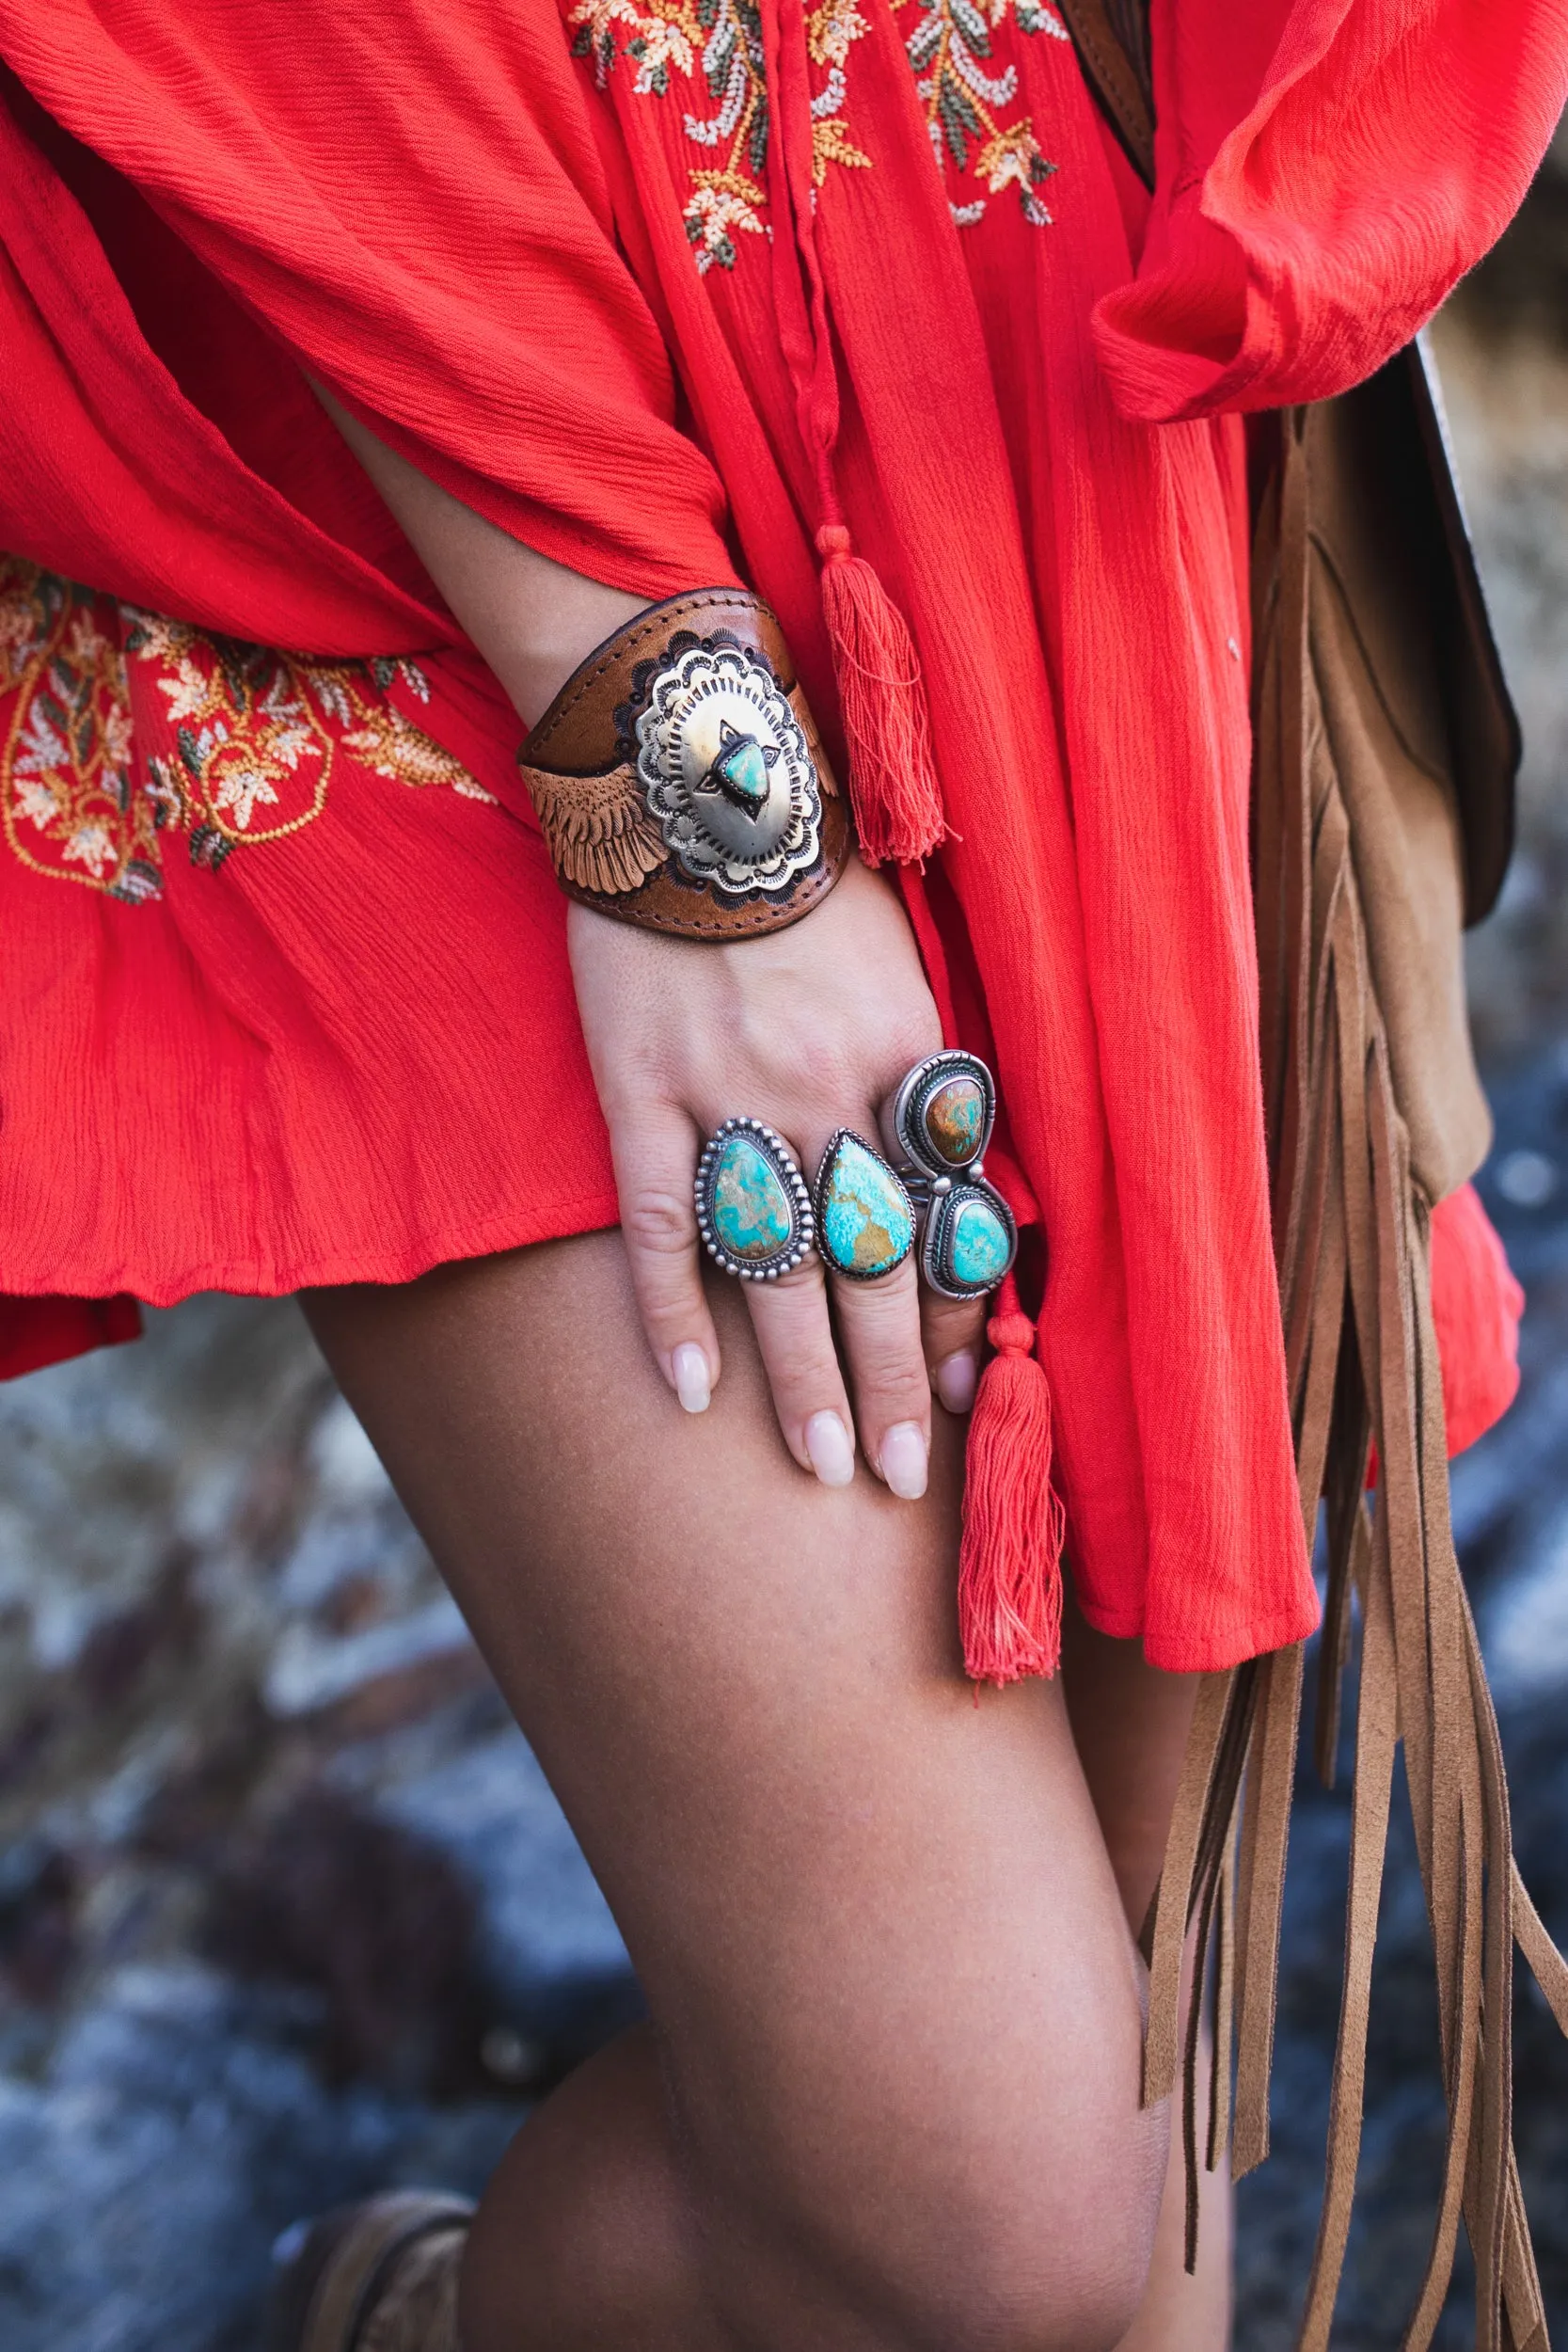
(387, 2226)
(578, 731)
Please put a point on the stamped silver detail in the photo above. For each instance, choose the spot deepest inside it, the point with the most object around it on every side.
(729, 777)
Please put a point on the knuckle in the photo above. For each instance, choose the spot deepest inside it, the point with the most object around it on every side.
(951, 1323)
(659, 1221)
(796, 1338)
(883, 1340)
(798, 1290)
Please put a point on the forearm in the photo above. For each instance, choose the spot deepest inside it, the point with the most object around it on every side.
(532, 619)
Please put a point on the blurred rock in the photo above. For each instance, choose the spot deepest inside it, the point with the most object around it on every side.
(287, 1910)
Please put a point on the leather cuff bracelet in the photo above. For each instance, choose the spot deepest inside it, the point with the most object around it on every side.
(679, 780)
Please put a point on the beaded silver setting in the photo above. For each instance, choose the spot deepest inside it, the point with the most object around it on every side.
(753, 1207)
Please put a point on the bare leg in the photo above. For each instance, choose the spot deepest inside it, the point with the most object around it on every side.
(889, 2099)
(1131, 1722)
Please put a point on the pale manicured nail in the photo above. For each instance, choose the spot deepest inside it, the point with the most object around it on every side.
(953, 1380)
(904, 1461)
(829, 1449)
(692, 1386)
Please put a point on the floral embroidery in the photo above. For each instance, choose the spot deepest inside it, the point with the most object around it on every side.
(68, 804)
(234, 743)
(719, 44)
(830, 27)
(723, 39)
(950, 48)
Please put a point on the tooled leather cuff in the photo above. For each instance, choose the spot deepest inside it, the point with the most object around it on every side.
(679, 779)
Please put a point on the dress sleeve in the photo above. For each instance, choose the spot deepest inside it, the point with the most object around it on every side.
(1326, 170)
(411, 199)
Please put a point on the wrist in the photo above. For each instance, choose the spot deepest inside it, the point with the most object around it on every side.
(678, 777)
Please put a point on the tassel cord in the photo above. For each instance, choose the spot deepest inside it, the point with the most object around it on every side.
(1009, 1556)
(893, 776)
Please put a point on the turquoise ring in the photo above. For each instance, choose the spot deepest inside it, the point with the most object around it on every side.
(865, 1219)
(753, 1212)
(941, 1118)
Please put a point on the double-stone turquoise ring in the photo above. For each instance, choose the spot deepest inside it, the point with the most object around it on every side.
(941, 1118)
(758, 1219)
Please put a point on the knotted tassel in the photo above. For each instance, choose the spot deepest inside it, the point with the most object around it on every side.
(892, 775)
(1010, 1560)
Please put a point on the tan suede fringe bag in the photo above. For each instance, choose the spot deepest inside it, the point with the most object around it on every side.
(1386, 750)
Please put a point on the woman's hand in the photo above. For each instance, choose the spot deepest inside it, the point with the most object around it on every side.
(809, 1029)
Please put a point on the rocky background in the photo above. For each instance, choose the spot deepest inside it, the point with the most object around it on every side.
(286, 1908)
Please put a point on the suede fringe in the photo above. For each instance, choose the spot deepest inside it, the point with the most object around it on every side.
(1351, 1231)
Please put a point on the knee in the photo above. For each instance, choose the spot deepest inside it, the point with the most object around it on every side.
(1031, 2264)
(1037, 2240)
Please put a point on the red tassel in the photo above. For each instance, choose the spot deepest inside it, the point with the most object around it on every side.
(892, 775)
(1010, 1560)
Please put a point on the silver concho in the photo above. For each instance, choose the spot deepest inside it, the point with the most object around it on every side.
(729, 780)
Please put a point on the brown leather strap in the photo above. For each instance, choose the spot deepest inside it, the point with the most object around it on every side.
(611, 848)
(1112, 41)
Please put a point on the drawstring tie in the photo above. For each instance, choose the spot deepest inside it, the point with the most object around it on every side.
(887, 724)
(1010, 1558)
(1009, 1566)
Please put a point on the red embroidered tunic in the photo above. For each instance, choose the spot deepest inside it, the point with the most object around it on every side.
(285, 991)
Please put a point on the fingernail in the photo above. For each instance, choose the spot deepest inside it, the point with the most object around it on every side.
(689, 1366)
(904, 1461)
(829, 1449)
(953, 1380)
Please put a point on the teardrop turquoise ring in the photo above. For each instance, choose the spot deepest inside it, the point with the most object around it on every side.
(753, 1211)
(865, 1221)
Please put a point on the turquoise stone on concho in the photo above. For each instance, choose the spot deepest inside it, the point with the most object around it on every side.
(741, 767)
(977, 1244)
(866, 1224)
(753, 1216)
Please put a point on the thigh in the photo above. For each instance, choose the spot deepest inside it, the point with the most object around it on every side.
(873, 1914)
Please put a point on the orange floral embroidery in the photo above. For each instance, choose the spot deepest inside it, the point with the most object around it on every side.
(716, 46)
(236, 743)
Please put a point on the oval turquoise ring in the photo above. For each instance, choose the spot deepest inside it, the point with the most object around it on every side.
(865, 1221)
(753, 1211)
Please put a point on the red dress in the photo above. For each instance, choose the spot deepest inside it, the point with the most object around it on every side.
(648, 282)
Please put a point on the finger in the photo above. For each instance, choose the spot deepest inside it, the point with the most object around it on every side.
(655, 1163)
(953, 1331)
(879, 1326)
(796, 1340)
